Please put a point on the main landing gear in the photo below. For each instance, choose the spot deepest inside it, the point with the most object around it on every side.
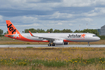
(51, 44)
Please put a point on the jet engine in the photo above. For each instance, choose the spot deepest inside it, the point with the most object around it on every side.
(60, 42)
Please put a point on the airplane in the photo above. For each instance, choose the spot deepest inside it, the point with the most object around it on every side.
(52, 38)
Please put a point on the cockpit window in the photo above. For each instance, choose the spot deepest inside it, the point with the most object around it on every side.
(94, 36)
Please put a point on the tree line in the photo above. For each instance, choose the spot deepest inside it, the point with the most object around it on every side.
(94, 31)
(47, 31)
(1, 32)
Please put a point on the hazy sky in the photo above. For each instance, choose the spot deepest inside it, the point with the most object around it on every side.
(56, 14)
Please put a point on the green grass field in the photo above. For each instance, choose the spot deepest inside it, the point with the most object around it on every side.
(52, 58)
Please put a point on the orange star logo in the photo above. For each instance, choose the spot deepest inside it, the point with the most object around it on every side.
(83, 35)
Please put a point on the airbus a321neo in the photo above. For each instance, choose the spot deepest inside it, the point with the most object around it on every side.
(52, 38)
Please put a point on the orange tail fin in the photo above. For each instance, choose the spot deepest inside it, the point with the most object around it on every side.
(11, 28)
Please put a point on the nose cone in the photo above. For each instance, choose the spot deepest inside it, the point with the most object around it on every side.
(97, 39)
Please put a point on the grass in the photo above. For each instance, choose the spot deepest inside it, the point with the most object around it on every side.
(52, 58)
(51, 63)
(29, 47)
(31, 58)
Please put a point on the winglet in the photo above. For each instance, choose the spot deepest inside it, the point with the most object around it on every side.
(30, 33)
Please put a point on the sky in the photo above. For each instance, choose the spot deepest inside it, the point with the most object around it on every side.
(55, 14)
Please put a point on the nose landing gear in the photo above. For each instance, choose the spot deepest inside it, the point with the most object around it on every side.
(88, 44)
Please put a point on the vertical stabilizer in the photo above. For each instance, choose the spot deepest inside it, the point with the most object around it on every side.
(11, 28)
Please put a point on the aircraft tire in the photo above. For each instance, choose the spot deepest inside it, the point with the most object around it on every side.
(53, 44)
(49, 44)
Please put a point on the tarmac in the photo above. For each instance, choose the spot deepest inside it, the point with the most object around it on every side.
(51, 46)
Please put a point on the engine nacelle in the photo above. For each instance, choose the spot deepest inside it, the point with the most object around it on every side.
(58, 42)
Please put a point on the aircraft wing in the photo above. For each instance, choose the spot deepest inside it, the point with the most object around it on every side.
(47, 38)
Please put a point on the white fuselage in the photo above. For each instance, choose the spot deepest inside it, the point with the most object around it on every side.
(70, 37)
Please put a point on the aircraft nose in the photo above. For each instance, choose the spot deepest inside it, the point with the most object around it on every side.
(98, 39)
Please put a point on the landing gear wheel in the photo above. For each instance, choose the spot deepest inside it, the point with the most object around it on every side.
(53, 44)
(49, 44)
